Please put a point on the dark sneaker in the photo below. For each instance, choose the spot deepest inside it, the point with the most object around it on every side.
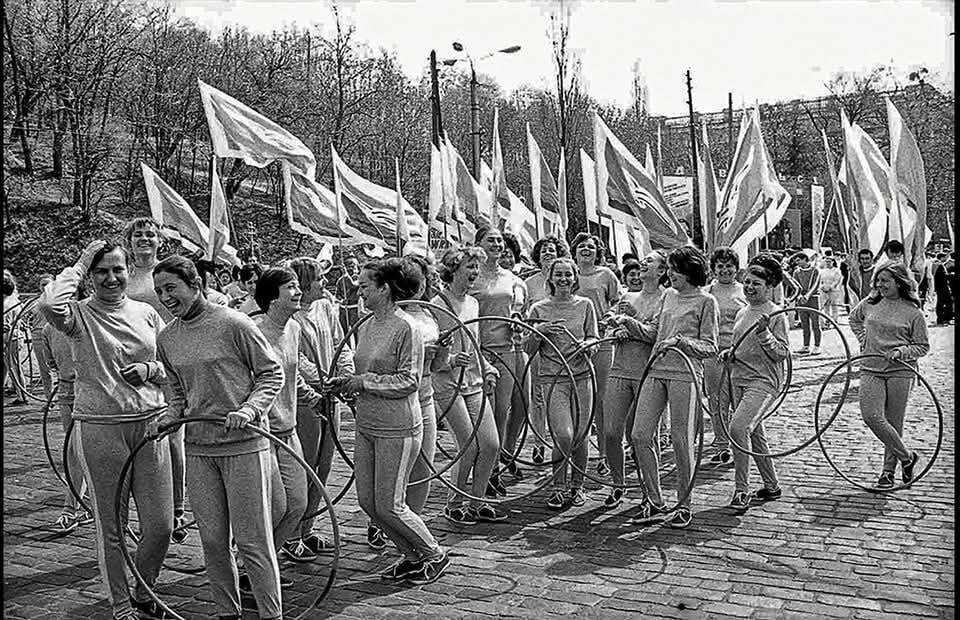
(126, 614)
(907, 468)
(886, 480)
(459, 515)
(681, 518)
(487, 514)
(148, 610)
(614, 499)
(298, 552)
(578, 497)
(375, 539)
(767, 495)
(649, 513)
(179, 533)
(318, 544)
(514, 470)
(721, 458)
(65, 524)
(538, 455)
(740, 501)
(401, 570)
(557, 500)
(498, 486)
(602, 468)
(431, 571)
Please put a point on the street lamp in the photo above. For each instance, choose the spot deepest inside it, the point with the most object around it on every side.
(474, 105)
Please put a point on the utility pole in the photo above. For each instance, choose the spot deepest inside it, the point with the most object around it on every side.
(435, 99)
(730, 144)
(475, 121)
(697, 229)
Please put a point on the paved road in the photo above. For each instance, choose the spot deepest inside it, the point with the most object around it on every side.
(826, 549)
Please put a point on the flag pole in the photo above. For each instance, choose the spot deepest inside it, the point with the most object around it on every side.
(338, 199)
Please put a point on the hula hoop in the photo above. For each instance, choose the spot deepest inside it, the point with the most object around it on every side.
(166, 429)
(44, 429)
(726, 374)
(816, 420)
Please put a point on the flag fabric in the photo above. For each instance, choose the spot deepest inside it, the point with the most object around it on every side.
(562, 195)
(312, 211)
(867, 176)
(451, 210)
(626, 192)
(752, 201)
(543, 188)
(325, 255)
(372, 209)
(470, 197)
(588, 170)
(403, 231)
(648, 164)
(659, 165)
(709, 193)
(908, 186)
(950, 232)
(237, 130)
(515, 216)
(499, 185)
(219, 219)
(177, 217)
(838, 202)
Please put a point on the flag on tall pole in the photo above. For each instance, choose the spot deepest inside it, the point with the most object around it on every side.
(587, 169)
(648, 163)
(403, 231)
(908, 188)
(562, 194)
(543, 188)
(867, 176)
(709, 193)
(237, 130)
(499, 187)
(659, 165)
(219, 220)
(515, 216)
(953, 245)
(312, 211)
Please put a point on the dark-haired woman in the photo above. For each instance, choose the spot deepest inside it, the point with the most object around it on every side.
(724, 263)
(219, 364)
(544, 252)
(389, 364)
(570, 323)
(600, 285)
(500, 293)
(465, 407)
(890, 323)
(113, 340)
(756, 375)
(687, 320)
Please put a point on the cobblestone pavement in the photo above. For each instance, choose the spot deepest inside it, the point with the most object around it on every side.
(826, 549)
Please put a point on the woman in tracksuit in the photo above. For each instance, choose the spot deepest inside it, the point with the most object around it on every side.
(219, 364)
(113, 340)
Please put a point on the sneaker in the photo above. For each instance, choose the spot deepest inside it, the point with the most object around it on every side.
(83, 517)
(285, 582)
(496, 484)
(375, 539)
(486, 514)
(767, 495)
(401, 569)
(459, 515)
(803, 350)
(538, 455)
(665, 443)
(603, 468)
(614, 499)
(179, 533)
(126, 614)
(907, 468)
(65, 524)
(740, 501)
(815, 350)
(431, 571)
(681, 518)
(557, 500)
(318, 544)
(297, 551)
(649, 513)
(148, 609)
(886, 480)
(514, 470)
(721, 458)
(578, 497)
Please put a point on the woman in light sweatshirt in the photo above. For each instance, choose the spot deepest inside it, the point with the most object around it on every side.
(219, 364)
(569, 321)
(890, 323)
(389, 363)
(113, 340)
(688, 321)
(757, 376)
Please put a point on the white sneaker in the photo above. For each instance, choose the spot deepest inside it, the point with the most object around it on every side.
(814, 350)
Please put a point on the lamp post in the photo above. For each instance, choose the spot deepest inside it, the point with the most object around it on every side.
(474, 104)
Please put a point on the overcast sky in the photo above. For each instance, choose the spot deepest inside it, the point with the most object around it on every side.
(760, 50)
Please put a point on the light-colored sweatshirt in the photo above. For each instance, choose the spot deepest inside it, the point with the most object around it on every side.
(389, 360)
(579, 317)
(631, 355)
(693, 315)
(285, 341)
(429, 333)
(55, 348)
(104, 338)
(601, 287)
(219, 362)
(887, 325)
(730, 300)
(445, 377)
(536, 288)
(502, 294)
(320, 333)
(758, 361)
